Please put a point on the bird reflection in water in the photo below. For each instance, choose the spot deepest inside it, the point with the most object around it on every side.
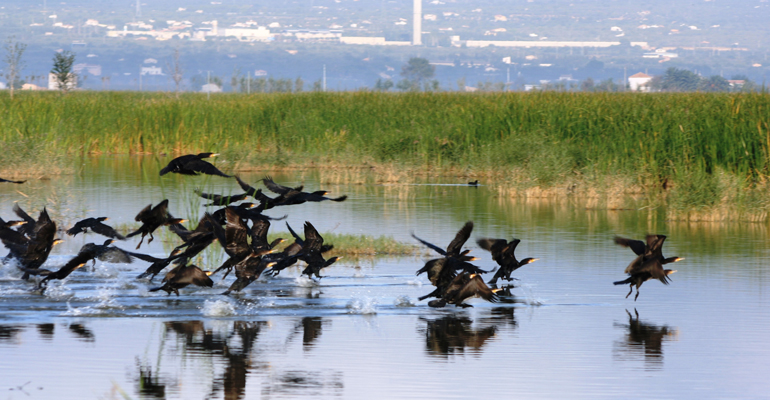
(82, 332)
(234, 348)
(9, 332)
(454, 334)
(644, 339)
(311, 329)
(46, 330)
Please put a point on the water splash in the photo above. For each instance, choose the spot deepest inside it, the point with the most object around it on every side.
(529, 295)
(304, 281)
(404, 301)
(218, 308)
(414, 282)
(58, 291)
(364, 306)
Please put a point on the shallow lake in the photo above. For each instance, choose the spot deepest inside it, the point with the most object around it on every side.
(564, 332)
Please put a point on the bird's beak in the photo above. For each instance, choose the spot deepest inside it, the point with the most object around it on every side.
(57, 241)
(474, 258)
(270, 264)
(80, 265)
(208, 273)
(533, 260)
(678, 259)
(214, 155)
(472, 276)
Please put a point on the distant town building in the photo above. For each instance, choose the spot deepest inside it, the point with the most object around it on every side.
(639, 82)
(151, 71)
(30, 86)
(210, 88)
(90, 69)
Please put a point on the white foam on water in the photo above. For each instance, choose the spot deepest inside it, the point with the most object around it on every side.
(81, 311)
(404, 301)
(218, 308)
(365, 306)
(414, 283)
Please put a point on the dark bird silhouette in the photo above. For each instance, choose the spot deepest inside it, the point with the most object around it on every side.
(96, 225)
(473, 183)
(502, 252)
(193, 164)
(290, 253)
(30, 247)
(311, 252)
(234, 238)
(152, 218)
(10, 224)
(10, 181)
(291, 196)
(195, 240)
(158, 264)
(264, 200)
(183, 276)
(247, 271)
(221, 200)
(648, 264)
(463, 287)
(442, 271)
(88, 252)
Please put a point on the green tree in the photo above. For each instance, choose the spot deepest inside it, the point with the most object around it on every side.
(714, 83)
(62, 70)
(13, 52)
(679, 80)
(298, 84)
(416, 71)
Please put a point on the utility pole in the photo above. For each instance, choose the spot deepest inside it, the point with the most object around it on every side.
(248, 82)
(324, 81)
(208, 82)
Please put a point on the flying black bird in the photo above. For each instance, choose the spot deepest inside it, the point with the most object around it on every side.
(193, 164)
(87, 253)
(459, 259)
(182, 276)
(219, 199)
(158, 264)
(311, 252)
(502, 253)
(648, 264)
(247, 271)
(463, 287)
(234, 238)
(96, 225)
(196, 240)
(264, 200)
(291, 196)
(30, 247)
(10, 181)
(152, 218)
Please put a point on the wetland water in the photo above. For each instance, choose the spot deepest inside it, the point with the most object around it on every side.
(564, 332)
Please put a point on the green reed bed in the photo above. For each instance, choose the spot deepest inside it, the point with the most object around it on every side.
(658, 141)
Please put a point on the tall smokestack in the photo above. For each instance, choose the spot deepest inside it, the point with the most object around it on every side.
(417, 23)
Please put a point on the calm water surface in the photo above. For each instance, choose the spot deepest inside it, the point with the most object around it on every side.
(564, 332)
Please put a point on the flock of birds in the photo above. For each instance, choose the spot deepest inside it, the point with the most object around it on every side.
(242, 231)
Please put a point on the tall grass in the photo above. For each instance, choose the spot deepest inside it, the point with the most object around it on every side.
(543, 138)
